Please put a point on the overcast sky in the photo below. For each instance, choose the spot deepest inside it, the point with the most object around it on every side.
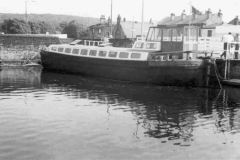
(130, 9)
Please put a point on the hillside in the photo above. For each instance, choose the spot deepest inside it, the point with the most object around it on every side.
(51, 18)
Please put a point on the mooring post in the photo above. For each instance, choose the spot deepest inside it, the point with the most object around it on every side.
(225, 65)
(207, 72)
(228, 69)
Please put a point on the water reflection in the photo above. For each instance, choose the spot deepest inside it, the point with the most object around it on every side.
(135, 120)
(164, 112)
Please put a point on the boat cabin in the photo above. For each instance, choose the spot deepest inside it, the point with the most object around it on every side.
(175, 38)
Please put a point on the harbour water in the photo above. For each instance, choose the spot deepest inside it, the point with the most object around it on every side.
(54, 116)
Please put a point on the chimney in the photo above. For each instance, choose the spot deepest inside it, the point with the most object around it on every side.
(119, 19)
(172, 16)
(102, 19)
(209, 13)
(183, 15)
(236, 21)
(220, 14)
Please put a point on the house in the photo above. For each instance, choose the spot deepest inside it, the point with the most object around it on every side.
(206, 22)
(129, 29)
(100, 30)
(235, 21)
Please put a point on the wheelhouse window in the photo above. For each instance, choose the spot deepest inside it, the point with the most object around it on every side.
(112, 54)
(54, 48)
(84, 52)
(193, 34)
(93, 53)
(136, 55)
(60, 49)
(154, 34)
(123, 55)
(102, 53)
(177, 34)
(68, 50)
(75, 51)
(99, 30)
(139, 45)
(166, 34)
(151, 45)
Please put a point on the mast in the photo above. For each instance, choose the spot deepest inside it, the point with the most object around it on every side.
(111, 20)
(142, 27)
(189, 22)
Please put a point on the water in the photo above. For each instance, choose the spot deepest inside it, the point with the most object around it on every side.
(55, 116)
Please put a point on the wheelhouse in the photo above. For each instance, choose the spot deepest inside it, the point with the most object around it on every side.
(174, 38)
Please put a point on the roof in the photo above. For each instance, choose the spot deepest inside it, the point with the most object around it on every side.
(105, 24)
(131, 29)
(179, 21)
(234, 21)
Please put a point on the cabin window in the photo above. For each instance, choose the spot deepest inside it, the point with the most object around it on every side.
(54, 48)
(67, 50)
(139, 45)
(151, 45)
(166, 34)
(99, 30)
(102, 53)
(112, 54)
(177, 34)
(123, 55)
(84, 52)
(135, 55)
(75, 51)
(60, 49)
(93, 30)
(93, 53)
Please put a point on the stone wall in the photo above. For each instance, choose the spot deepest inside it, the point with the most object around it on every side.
(24, 47)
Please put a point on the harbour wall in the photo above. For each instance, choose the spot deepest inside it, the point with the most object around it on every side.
(26, 47)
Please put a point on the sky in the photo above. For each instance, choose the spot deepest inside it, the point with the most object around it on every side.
(129, 9)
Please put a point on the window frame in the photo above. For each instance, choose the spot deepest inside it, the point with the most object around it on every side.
(120, 53)
(135, 54)
(83, 50)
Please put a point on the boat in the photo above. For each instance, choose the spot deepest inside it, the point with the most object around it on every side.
(159, 59)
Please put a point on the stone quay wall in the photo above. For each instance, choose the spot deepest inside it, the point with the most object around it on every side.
(26, 47)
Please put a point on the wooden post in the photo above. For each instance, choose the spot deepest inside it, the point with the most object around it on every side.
(228, 69)
(207, 73)
(225, 69)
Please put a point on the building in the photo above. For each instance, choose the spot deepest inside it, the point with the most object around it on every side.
(101, 29)
(235, 21)
(206, 22)
(129, 29)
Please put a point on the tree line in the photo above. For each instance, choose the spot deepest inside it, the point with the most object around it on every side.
(17, 26)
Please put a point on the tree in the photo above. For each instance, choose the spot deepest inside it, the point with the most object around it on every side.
(46, 27)
(35, 27)
(15, 26)
(75, 30)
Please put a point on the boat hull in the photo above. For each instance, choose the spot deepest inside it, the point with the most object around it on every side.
(164, 73)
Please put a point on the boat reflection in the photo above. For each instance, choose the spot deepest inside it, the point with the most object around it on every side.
(164, 112)
(161, 112)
